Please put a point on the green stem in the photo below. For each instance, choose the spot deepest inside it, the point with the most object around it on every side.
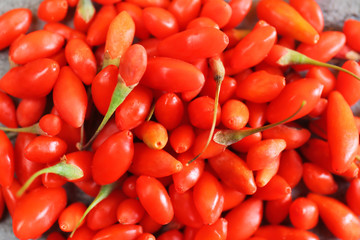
(69, 171)
(121, 91)
(321, 64)
(228, 137)
(151, 113)
(110, 61)
(219, 73)
(294, 57)
(35, 129)
(104, 192)
(86, 10)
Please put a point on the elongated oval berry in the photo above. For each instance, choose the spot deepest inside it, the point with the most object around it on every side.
(208, 198)
(33, 80)
(172, 75)
(155, 199)
(133, 64)
(6, 161)
(133, 111)
(44, 149)
(193, 44)
(338, 217)
(35, 45)
(311, 12)
(113, 158)
(70, 98)
(120, 35)
(154, 163)
(286, 20)
(290, 99)
(343, 136)
(37, 211)
(244, 219)
(8, 115)
(159, 22)
(52, 10)
(254, 47)
(234, 172)
(81, 60)
(12, 24)
(119, 231)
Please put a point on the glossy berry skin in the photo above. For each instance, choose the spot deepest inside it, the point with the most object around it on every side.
(234, 114)
(185, 11)
(103, 86)
(70, 98)
(129, 211)
(30, 110)
(273, 232)
(201, 112)
(290, 99)
(190, 174)
(119, 231)
(287, 20)
(103, 215)
(350, 28)
(303, 213)
(154, 163)
(155, 199)
(343, 136)
(135, 108)
(52, 10)
(6, 161)
(136, 13)
(37, 211)
(244, 219)
(260, 87)
(35, 45)
(246, 53)
(159, 22)
(216, 231)
(234, 171)
(45, 149)
(12, 24)
(353, 196)
(276, 211)
(32, 80)
(311, 12)
(208, 198)
(184, 207)
(219, 11)
(318, 180)
(7, 111)
(70, 216)
(172, 75)
(81, 60)
(338, 218)
(96, 34)
(194, 44)
(50, 124)
(239, 9)
(169, 110)
(113, 158)
(24, 168)
(347, 84)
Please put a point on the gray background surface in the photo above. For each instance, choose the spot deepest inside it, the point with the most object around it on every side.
(335, 11)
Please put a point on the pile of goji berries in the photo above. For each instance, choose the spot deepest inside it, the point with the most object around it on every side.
(177, 124)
